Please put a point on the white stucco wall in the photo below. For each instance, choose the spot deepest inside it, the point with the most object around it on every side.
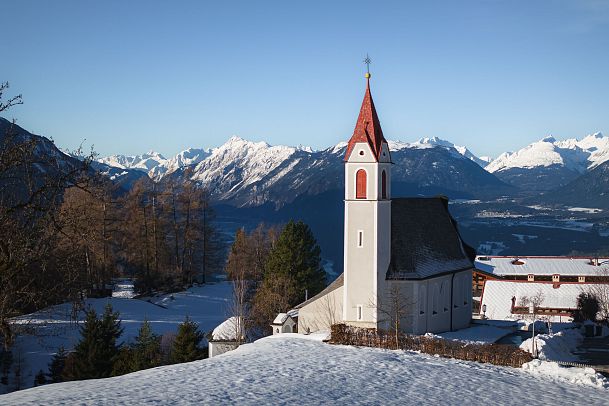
(365, 265)
(431, 305)
(320, 314)
(220, 347)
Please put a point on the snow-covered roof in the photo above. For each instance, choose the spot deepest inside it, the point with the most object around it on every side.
(228, 329)
(579, 266)
(498, 295)
(281, 318)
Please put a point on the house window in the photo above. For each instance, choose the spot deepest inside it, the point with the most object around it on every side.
(360, 311)
(384, 185)
(360, 238)
(360, 184)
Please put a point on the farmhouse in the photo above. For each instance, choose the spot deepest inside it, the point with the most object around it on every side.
(404, 259)
(509, 285)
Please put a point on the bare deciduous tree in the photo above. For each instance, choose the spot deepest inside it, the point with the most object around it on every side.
(392, 308)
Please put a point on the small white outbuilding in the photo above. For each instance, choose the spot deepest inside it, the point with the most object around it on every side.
(226, 337)
(285, 323)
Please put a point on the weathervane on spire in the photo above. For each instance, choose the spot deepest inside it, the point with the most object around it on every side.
(367, 61)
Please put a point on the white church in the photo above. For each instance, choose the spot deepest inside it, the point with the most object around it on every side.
(403, 257)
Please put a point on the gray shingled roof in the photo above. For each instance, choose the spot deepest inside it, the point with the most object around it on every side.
(425, 241)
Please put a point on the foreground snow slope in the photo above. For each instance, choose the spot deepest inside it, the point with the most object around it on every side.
(289, 369)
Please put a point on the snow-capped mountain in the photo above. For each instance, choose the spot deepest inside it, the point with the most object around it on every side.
(437, 142)
(154, 164)
(245, 173)
(147, 162)
(548, 163)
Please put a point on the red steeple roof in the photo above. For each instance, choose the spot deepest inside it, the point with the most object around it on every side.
(368, 127)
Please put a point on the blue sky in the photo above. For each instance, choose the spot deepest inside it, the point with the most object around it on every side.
(130, 76)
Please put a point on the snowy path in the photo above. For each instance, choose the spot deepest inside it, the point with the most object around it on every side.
(292, 370)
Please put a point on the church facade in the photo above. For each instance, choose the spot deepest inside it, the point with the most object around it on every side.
(405, 263)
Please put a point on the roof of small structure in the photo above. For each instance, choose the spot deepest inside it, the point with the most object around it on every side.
(572, 266)
(281, 318)
(368, 127)
(425, 241)
(227, 330)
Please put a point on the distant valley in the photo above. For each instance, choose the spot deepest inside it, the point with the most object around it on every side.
(548, 198)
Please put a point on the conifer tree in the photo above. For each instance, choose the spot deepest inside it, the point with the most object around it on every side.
(40, 378)
(57, 365)
(186, 344)
(297, 256)
(147, 348)
(94, 355)
(124, 362)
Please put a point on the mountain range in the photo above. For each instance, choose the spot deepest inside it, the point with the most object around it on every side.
(252, 182)
(242, 173)
(246, 174)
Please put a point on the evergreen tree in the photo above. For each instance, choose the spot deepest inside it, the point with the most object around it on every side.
(186, 344)
(94, 355)
(57, 366)
(147, 348)
(124, 362)
(297, 256)
(587, 307)
(40, 378)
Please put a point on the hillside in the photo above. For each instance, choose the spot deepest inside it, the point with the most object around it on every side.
(297, 369)
(51, 161)
(589, 190)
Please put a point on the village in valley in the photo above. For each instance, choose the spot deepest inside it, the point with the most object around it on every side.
(371, 272)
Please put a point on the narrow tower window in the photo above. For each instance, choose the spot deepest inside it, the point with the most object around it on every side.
(384, 185)
(359, 312)
(360, 184)
(360, 238)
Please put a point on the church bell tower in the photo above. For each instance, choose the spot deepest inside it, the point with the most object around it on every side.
(367, 238)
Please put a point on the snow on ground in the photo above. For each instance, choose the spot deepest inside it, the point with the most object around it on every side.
(555, 347)
(123, 288)
(560, 347)
(588, 210)
(287, 369)
(207, 305)
(477, 334)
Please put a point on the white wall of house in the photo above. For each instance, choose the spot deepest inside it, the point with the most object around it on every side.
(320, 314)
(429, 303)
(220, 347)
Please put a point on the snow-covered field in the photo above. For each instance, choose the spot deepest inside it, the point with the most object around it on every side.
(207, 305)
(296, 369)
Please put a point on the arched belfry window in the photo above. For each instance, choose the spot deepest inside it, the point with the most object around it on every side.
(384, 185)
(360, 184)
